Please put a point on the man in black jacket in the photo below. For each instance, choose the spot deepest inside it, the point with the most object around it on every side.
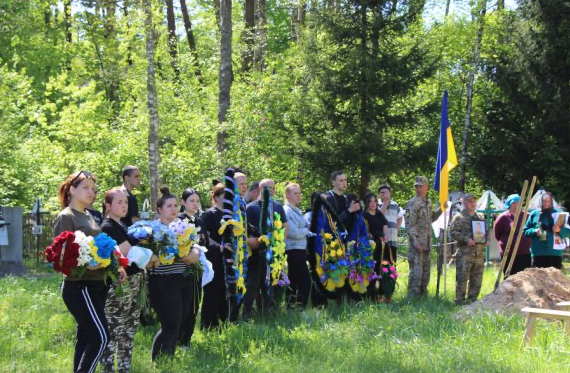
(338, 200)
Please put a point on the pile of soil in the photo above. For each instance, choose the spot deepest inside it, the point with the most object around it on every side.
(533, 287)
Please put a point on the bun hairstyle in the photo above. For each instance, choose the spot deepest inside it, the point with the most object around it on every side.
(166, 195)
(216, 192)
(72, 180)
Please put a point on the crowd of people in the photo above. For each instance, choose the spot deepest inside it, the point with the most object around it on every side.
(107, 321)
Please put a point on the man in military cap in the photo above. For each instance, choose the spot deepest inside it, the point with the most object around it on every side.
(470, 256)
(419, 216)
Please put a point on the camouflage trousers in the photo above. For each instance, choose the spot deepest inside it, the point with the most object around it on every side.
(420, 267)
(469, 269)
(122, 313)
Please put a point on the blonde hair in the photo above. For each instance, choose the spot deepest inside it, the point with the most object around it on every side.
(289, 186)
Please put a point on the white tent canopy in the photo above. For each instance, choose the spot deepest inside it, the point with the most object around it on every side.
(535, 201)
(496, 203)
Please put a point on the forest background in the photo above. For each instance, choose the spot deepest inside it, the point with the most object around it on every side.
(290, 90)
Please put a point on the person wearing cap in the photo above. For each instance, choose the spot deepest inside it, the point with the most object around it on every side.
(419, 216)
(470, 256)
(502, 229)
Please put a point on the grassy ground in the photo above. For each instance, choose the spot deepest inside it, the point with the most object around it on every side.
(37, 335)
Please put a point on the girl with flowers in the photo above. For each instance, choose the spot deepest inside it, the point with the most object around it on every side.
(378, 230)
(123, 310)
(215, 307)
(170, 291)
(190, 209)
(84, 295)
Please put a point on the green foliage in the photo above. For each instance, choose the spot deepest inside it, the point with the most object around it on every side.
(526, 108)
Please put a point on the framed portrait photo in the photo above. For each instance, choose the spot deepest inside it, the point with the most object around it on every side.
(479, 232)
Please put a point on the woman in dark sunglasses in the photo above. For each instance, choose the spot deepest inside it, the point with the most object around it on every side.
(84, 296)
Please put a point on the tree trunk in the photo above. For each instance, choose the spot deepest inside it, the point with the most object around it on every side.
(447, 4)
(302, 12)
(67, 10)
(191, 40)
(152, 103)
(217, 11)
(225, 79)
(110, 18)
(261, 34)
(172, 39)
(470, 83)
(248, 35)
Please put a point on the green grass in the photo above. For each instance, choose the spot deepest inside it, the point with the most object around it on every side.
(37, 335)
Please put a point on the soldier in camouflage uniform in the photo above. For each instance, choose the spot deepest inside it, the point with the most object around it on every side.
(122, 313)
(419, 216)
(470, 257)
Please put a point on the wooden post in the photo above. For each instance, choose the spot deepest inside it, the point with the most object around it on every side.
(526, 207)
(511, 235)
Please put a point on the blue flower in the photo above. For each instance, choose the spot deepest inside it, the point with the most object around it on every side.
(105, 245)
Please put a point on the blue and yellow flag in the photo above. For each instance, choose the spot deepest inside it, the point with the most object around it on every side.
(446, 157)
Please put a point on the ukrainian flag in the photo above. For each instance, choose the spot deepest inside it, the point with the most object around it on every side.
(446, 157)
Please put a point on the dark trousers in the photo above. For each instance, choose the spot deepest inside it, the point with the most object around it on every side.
(255, 282)
(170, 298)
(522, 262)
(300, 286)
(189, 322)
(215, 303)
(547, 261)
(85, 300)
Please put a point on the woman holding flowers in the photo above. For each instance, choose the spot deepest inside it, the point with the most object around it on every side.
(384, 267)
(123, 310)
(190, 209)
(214, 305)
(169, 288)
(84, 294)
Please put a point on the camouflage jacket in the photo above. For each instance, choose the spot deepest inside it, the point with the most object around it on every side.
(419, 216)
(461, 229)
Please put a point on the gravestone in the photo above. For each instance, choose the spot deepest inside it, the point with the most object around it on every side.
(11, 254)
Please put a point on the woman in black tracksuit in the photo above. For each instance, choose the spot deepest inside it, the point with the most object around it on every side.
(84, 296)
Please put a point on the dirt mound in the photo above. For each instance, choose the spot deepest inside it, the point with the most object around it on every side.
(534, 287)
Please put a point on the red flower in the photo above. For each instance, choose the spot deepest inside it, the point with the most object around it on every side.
(123, 262)
(67, 261)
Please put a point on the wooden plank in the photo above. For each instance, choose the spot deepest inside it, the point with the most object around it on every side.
(547, 314)
(529, 333)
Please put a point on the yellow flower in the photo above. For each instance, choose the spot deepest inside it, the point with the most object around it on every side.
(334, 243)
(240, 283)
(320, 271)
(263, 239)
(278, 224)
(328, 236)
(162, 260)
(339, 252)
(333, 253)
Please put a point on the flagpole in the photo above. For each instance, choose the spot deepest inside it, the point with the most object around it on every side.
(444, 251)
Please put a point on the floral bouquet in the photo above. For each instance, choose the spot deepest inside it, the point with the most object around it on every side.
(157, 237)
(187, 237)
(275, 242)
(76, 252)
(333, 266)
(388, 276)
(361, 264)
